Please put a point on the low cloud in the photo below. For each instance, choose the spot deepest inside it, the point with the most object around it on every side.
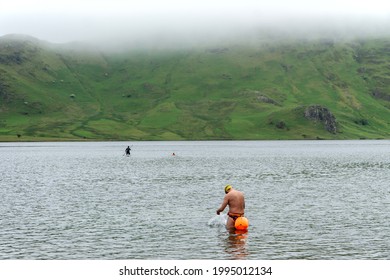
(175, 23)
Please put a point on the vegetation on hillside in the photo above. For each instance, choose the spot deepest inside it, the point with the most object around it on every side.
(314, 89)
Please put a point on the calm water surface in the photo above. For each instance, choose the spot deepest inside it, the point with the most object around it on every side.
(304, 200)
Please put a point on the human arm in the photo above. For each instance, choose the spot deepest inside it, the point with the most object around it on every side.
(223, 205)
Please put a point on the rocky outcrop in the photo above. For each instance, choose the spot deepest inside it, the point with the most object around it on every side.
(318, 113)
(380, 94)
(5, 95)
(259, 96)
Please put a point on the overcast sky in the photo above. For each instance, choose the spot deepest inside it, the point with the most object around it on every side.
(62, 21)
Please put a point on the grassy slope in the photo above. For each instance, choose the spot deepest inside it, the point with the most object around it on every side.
(232, 92)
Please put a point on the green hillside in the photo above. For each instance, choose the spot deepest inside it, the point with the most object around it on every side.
(321, 89)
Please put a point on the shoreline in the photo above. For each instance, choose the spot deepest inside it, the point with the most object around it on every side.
(54, 140)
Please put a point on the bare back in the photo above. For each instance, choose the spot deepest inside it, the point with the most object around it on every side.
(236, 202)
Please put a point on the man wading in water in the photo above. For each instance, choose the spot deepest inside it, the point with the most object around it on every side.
(236, 201)
(127, 151)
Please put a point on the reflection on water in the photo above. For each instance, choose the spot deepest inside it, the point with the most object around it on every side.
(304, 200)
(235, 241)
(236, 245)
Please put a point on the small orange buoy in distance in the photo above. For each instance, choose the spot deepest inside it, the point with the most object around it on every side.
(241, 223)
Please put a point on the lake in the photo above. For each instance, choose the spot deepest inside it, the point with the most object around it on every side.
(87, 200)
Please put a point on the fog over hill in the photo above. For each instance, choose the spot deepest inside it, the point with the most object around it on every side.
(188, 23)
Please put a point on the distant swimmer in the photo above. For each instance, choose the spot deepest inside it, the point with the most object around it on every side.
(173, 154)
(127, 151)
(236, 201)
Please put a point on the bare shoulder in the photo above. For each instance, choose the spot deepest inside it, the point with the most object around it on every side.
(234, 193)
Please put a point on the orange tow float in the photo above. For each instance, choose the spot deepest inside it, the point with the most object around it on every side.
(241, 223)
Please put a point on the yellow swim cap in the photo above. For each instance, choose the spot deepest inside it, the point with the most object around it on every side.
(227, 188)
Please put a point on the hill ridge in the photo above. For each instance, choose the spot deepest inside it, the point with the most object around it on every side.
(237, 91)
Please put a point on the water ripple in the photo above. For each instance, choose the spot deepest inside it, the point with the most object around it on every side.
(305, 200)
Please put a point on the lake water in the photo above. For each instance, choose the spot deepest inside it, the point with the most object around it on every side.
(304, 200)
